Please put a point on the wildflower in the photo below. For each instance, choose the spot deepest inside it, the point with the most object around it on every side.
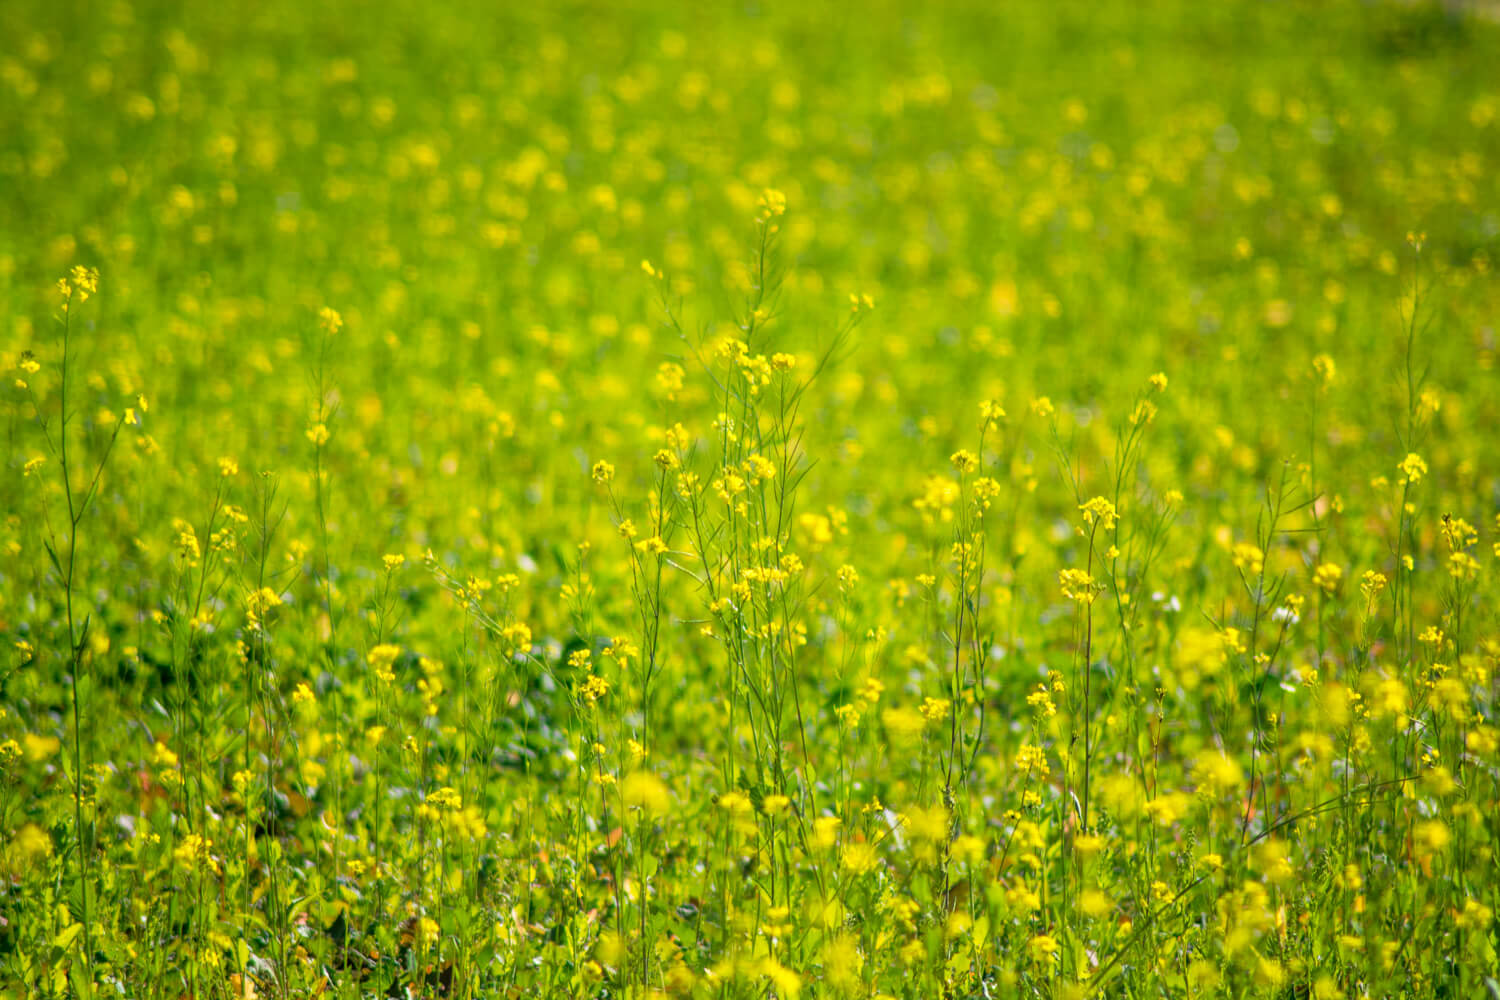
(964, 461)
(193, 854)
(652, 546)
(1217, 773)
(775, 805)
(1145, 411)
(772, 204)
(330, 321)
(1168, 808)
(1327, 577)
(784, 981)
(1088, 845)
(644, 790)
(382, 660)
(603, 472)
(1474, 916)
(825, 830)
(1095, 904)
(1324, 370)
(1042, 948)
(1271, 859)
(1462, 566)
(1100, 511)
(80, 283)
(593, 689)
(1023, 899)
(858, 857)
(445, 798)
(1041, 703)
(30, 844)
(935, 709)
(1431, 837)
(1248, 558)
(842, 961)
(903, 725)
(929, 824)
(1458, 533)
(1412, 468)
(1078, 585)
(1031, 761)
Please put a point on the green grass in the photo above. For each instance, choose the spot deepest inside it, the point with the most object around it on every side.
(603, 501)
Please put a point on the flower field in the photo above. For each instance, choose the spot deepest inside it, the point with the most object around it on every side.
(626, 501)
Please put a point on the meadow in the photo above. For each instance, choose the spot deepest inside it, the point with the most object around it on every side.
(625, 501)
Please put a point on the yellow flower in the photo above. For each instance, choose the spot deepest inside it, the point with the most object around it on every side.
(964, 461)
(927, 823)
(842, 961)
(903, 725)
(1248, 558)
(775, 805)
(1328, 576)
(1217, 773)
(1095, 904)
(786, 983)
(935, 709)
(382, 659)
(1412, 468)
(858, 857)
(1431, 837)
(825, 830)
(1077, 585)
(1099, 510)
(28, 845)
(644, 790)
(593, 689)
(1324, 370)
(1042, 948)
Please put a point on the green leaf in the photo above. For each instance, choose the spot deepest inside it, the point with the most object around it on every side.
(67, 936)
